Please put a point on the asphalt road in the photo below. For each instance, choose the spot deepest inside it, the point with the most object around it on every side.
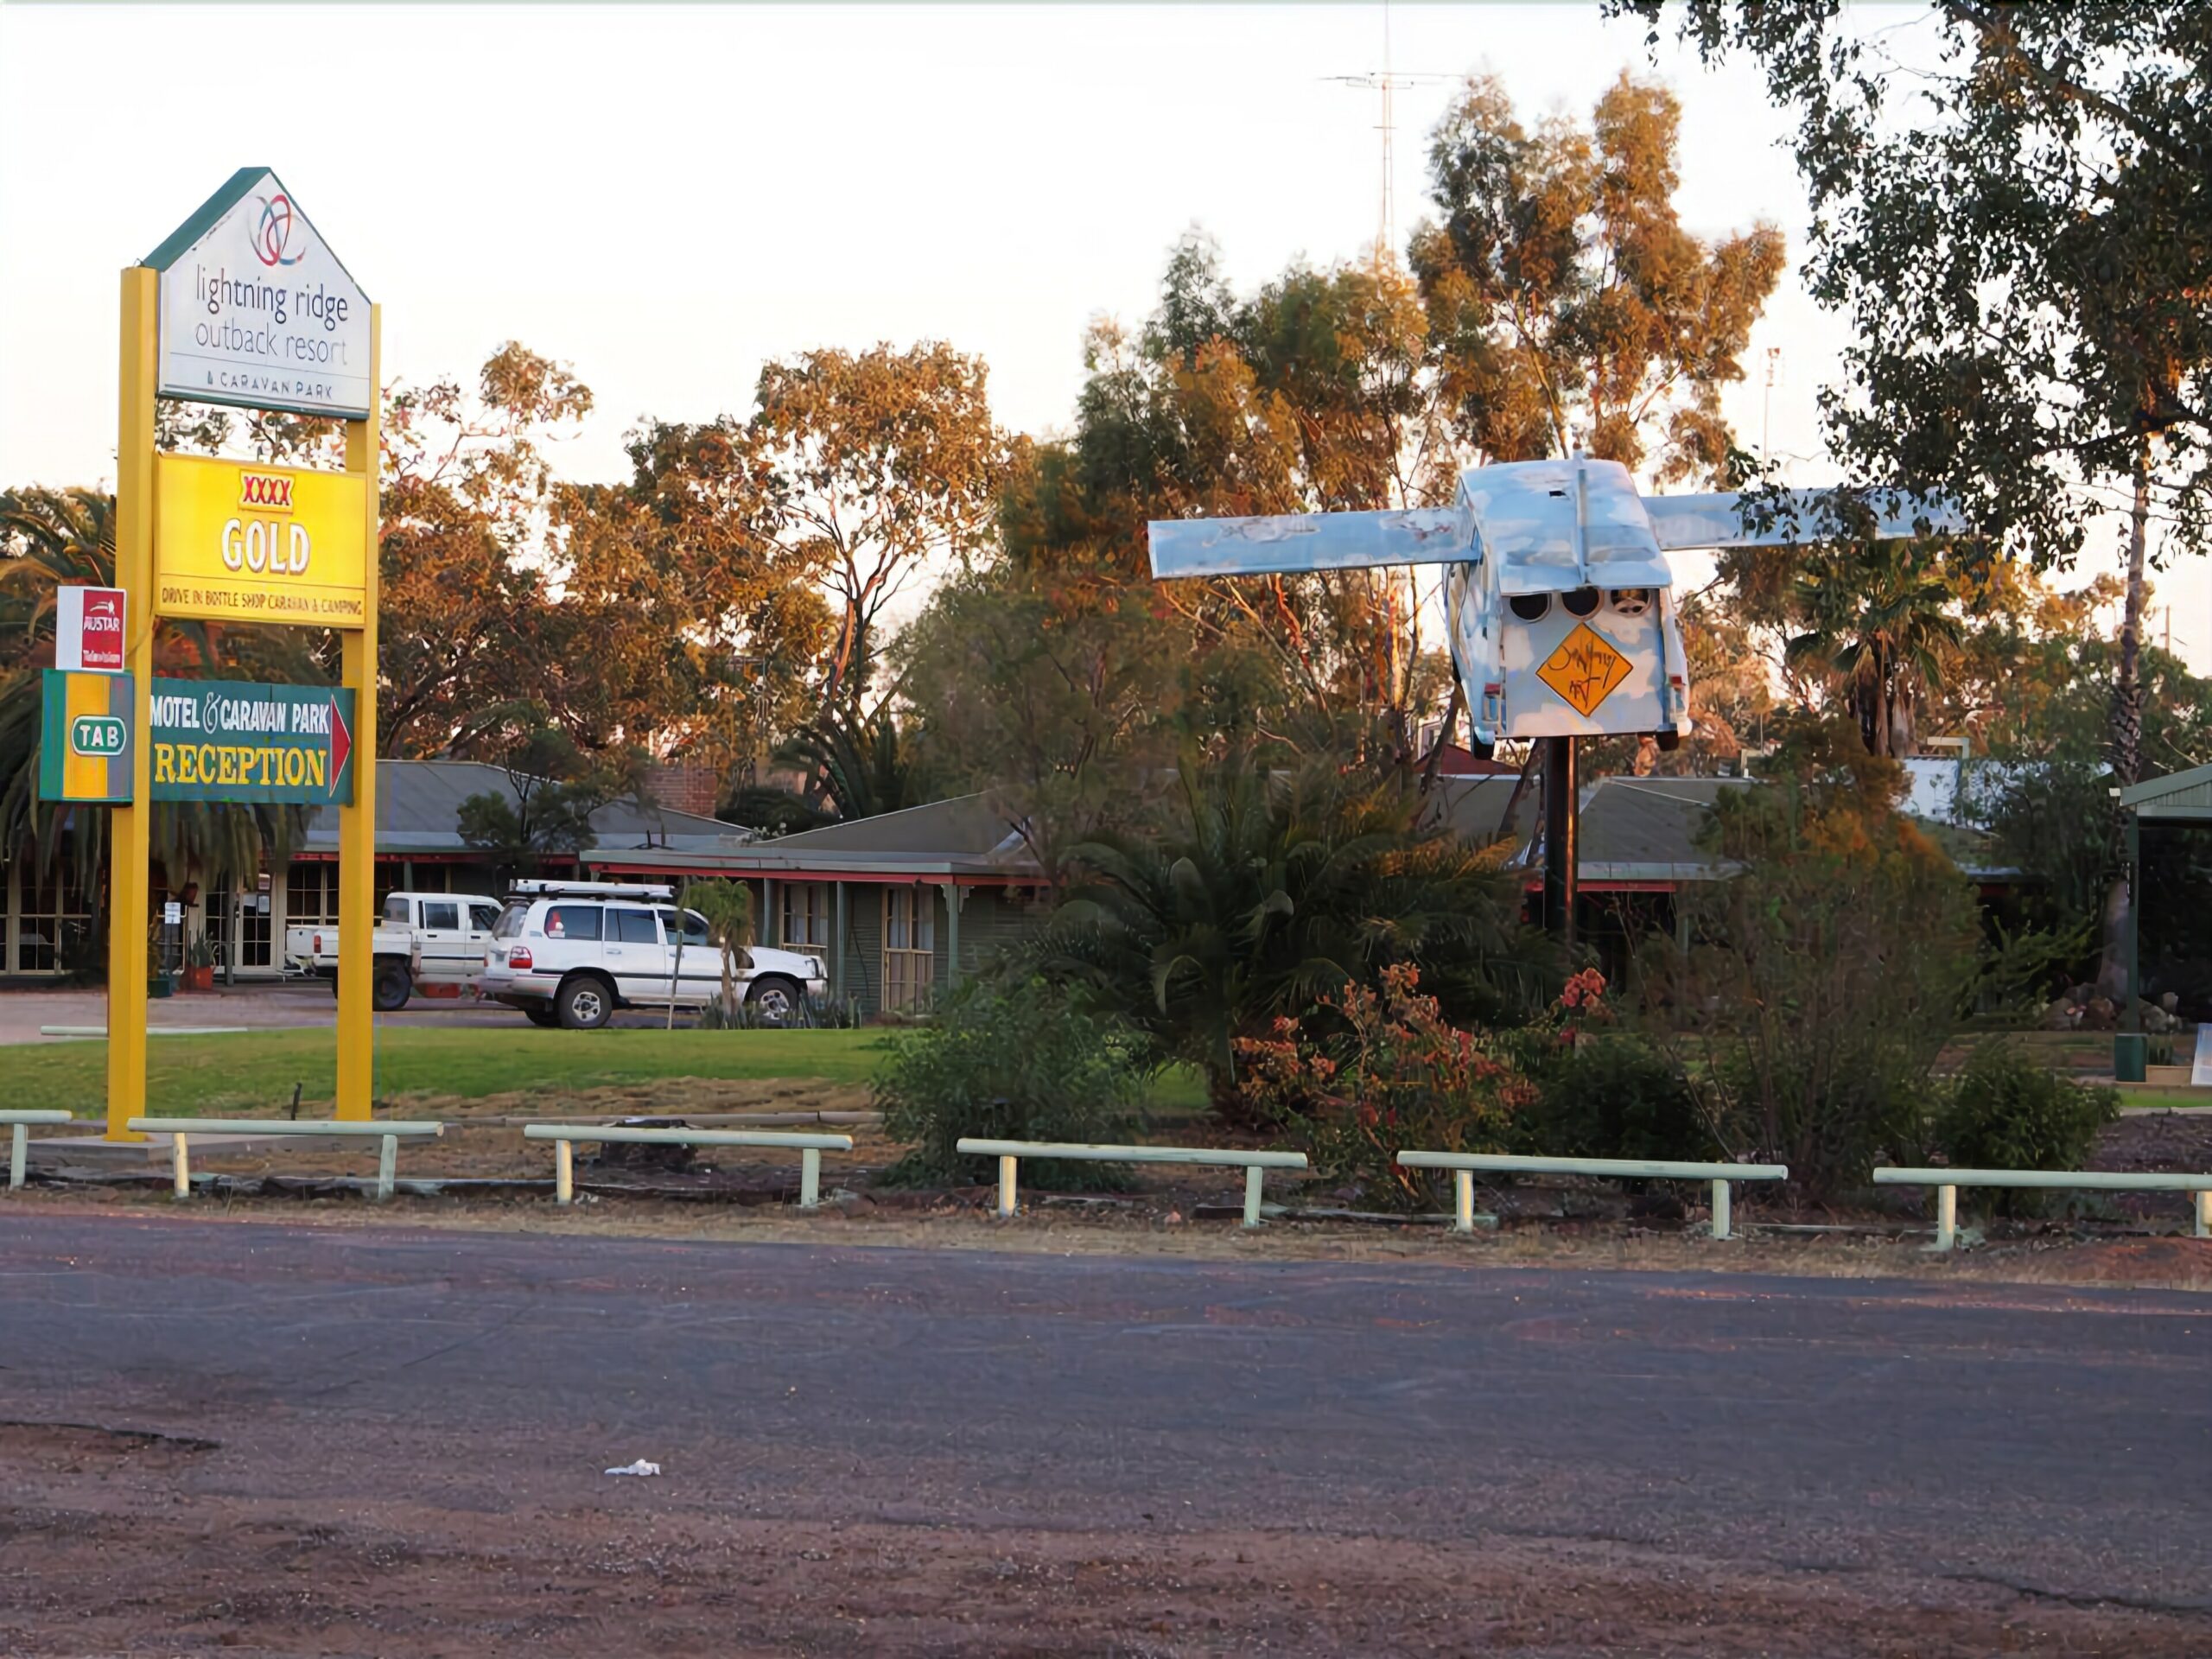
(1566, 1462)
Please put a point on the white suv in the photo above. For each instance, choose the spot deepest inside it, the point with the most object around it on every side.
(569, 953)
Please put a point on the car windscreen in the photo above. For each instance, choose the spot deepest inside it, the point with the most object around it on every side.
(693, 927)
(395, 909)
(508, 926)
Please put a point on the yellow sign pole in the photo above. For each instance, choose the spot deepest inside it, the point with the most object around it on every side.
(130, 850)
(357, 831)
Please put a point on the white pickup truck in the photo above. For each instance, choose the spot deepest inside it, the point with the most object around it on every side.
(424, 938)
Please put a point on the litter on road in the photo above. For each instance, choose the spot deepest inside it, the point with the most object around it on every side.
(640, 1467)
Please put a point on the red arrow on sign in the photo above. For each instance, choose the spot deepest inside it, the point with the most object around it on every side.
(341, 745)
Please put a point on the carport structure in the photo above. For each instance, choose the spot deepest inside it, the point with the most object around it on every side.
(2169, 869)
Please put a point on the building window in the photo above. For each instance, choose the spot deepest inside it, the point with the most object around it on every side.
(909, 946)
(55, 922)
(806, 915)
(311, 895)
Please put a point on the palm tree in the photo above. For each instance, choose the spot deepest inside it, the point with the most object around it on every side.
(50, 537)
(727, 907)
(863, 764)
(1879, 615)
(1263, 892)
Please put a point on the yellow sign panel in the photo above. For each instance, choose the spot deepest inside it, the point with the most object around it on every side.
(244, 543)
(1586, 670)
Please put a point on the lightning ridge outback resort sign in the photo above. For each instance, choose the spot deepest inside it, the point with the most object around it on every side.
(255, 311)
(213, 740)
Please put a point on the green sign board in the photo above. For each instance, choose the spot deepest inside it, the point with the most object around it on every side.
(210, 740)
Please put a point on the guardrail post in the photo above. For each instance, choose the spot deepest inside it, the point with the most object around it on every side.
(1252, 1191)
(1007, 1165)
(1720, 1217)
(180, 1166)
(19, 1143)
(1463, 1200)
(387, 1166)
(2200, 1203)
(1947, 1217)
(564, 1171)
(809, 1178)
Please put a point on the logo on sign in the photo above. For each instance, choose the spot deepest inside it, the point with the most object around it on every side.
(97, 737)
(269, 491)
(272, 235)
(102, 631)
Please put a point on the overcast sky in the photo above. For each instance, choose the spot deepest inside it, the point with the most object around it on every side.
(664, 198)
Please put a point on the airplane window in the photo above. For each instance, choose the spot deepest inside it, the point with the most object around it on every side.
(1631, 602)
(1530, 607)
(1583, 602)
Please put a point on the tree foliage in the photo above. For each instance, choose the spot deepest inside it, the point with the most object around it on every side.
(1825, 974)
(2009, 210)
(1250, 896)
(1567, 305)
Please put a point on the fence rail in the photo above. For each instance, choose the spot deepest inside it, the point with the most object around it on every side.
(1011, 1152)
(564, 1137)
(1947, 1183)
(19, 1139)
(388, 1133)
(1464, 1165)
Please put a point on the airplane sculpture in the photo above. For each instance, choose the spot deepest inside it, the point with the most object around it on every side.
(1559, 593)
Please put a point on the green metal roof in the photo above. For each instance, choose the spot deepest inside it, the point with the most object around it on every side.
(2180, 795)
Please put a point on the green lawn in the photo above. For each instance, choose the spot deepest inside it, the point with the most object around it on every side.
(208, 1075)
(187, 1075)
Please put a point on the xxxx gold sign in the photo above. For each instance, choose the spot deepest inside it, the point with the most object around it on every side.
(253, 544)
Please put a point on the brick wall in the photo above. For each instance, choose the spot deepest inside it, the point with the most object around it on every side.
(688, 789)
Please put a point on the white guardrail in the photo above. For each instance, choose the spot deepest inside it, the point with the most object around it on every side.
(1947, 1183)
(1465, 1165)
(19, 1139)
(389, 1132)
(564, 1137)
(1011, 1152)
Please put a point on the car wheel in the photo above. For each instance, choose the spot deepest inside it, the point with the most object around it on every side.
(776, 1001)
(548, 1017)
(389, 987)
(585, 1003)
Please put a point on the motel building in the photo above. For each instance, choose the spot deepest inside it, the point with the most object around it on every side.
(899, 905)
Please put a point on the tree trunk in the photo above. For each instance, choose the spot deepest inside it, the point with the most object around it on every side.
(2127, 691)
(2127, 725)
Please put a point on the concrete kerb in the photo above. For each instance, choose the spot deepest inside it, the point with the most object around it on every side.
(564, 1137)
(1465, 1165)
(19, 1139)
(1011, 1152)
(180, 1129)
(1947, 1183)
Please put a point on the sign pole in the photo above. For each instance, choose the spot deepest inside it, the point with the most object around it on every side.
(131, 839)
(357, 833)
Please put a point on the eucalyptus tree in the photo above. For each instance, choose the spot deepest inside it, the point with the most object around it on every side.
(2008, 207)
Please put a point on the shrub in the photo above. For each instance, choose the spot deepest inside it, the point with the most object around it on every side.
(1388, 1073)
(1613, 1095)
(1256, 895)
(1012, 1061)
(1825, 976)
(2004, 1111)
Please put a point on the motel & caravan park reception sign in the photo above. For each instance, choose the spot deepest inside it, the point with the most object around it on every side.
(213, 740)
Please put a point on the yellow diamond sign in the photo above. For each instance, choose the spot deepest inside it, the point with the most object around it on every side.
(1585, 670)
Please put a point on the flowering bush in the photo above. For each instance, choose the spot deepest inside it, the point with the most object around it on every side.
(1389, 1072)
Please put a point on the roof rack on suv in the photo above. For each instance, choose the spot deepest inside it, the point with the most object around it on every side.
(589, 890)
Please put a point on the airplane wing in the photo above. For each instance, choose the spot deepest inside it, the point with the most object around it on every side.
(1680, 521)
(1310, 541)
